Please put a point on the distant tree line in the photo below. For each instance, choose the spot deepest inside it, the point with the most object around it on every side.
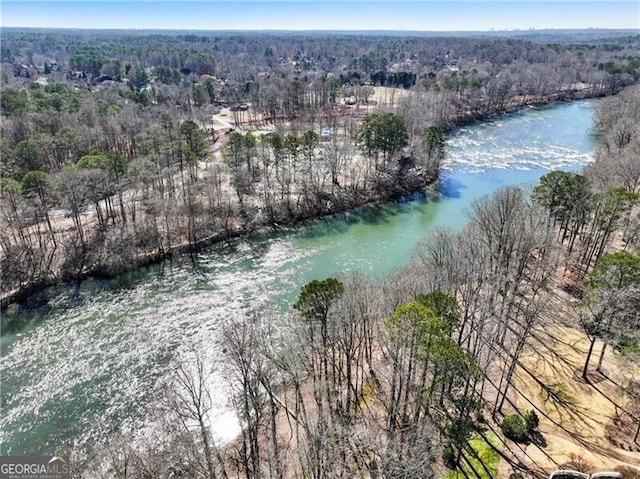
(250, 63)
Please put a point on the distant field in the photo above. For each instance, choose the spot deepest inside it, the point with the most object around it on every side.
(387, 96)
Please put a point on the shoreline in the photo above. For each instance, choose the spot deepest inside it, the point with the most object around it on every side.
(184, 249)
(21, 296)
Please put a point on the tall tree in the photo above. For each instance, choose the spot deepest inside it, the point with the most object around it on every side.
(197, 143)
(188, 396)
(612, 208)
(38, 184)
(434, 145)
(567, 197)
(613, 296)
(384, 133)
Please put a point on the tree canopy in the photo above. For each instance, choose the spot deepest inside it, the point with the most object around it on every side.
(316, 297)
(384, 133)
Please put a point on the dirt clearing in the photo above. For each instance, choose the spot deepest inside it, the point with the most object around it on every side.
(573, 414)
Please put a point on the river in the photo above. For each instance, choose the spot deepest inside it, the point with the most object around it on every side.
(80, 365)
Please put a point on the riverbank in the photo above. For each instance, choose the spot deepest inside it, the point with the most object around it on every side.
(521, 102)
(240, 221)
(235, 228)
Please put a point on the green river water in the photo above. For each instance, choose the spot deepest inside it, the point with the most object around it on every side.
(80, 365)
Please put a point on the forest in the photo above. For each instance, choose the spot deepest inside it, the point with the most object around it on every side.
(119, 150)
(110, 158)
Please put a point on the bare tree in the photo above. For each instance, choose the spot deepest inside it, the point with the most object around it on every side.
(187, 395)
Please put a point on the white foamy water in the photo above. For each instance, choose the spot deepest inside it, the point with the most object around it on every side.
(554, 139)
(87, 366)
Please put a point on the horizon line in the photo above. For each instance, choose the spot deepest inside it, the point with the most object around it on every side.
(326, 30)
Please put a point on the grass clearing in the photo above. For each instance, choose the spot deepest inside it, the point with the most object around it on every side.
(388, 96)
(487, 460)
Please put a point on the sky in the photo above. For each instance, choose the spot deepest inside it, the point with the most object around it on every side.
(418, 15)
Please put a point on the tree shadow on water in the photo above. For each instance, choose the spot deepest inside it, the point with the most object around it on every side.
(327, 226)
(374, 215)
(451, 188)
